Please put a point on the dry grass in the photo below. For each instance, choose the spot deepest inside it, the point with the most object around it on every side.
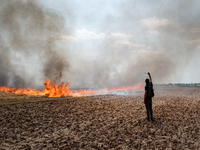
(104, 122)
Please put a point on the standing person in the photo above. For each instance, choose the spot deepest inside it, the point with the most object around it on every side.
(148, 97)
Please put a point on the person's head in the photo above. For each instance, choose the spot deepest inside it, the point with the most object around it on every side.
(147, 81)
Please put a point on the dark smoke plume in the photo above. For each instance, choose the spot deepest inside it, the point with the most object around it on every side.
(28, 36)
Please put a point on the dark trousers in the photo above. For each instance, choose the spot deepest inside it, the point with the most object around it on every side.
(148, 104)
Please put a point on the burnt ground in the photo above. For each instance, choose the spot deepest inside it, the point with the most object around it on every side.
(102, 122)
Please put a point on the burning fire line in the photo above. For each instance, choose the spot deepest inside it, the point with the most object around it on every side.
(62, 90)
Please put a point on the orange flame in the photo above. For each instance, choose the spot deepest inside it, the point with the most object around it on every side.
(62, 90)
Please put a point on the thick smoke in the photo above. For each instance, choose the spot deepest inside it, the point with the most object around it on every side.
(31, 53)
(4, 65)
(174, 42)
(28, 47)
(165, 50)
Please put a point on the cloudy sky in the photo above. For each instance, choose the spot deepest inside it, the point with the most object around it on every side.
(113, 42)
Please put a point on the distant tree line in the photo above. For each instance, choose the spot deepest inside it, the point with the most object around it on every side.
(180, 84)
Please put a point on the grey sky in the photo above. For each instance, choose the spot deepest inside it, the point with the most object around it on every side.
(113, 42)
(152, 25)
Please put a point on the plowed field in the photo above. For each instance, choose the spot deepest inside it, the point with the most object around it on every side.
(102, 122)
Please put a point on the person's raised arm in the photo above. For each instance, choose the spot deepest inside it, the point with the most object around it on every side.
(150, 76)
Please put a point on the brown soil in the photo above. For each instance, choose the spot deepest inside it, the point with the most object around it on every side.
(103, 122)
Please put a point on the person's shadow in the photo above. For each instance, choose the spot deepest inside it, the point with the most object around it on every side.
(156, 122)
(159, 123)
